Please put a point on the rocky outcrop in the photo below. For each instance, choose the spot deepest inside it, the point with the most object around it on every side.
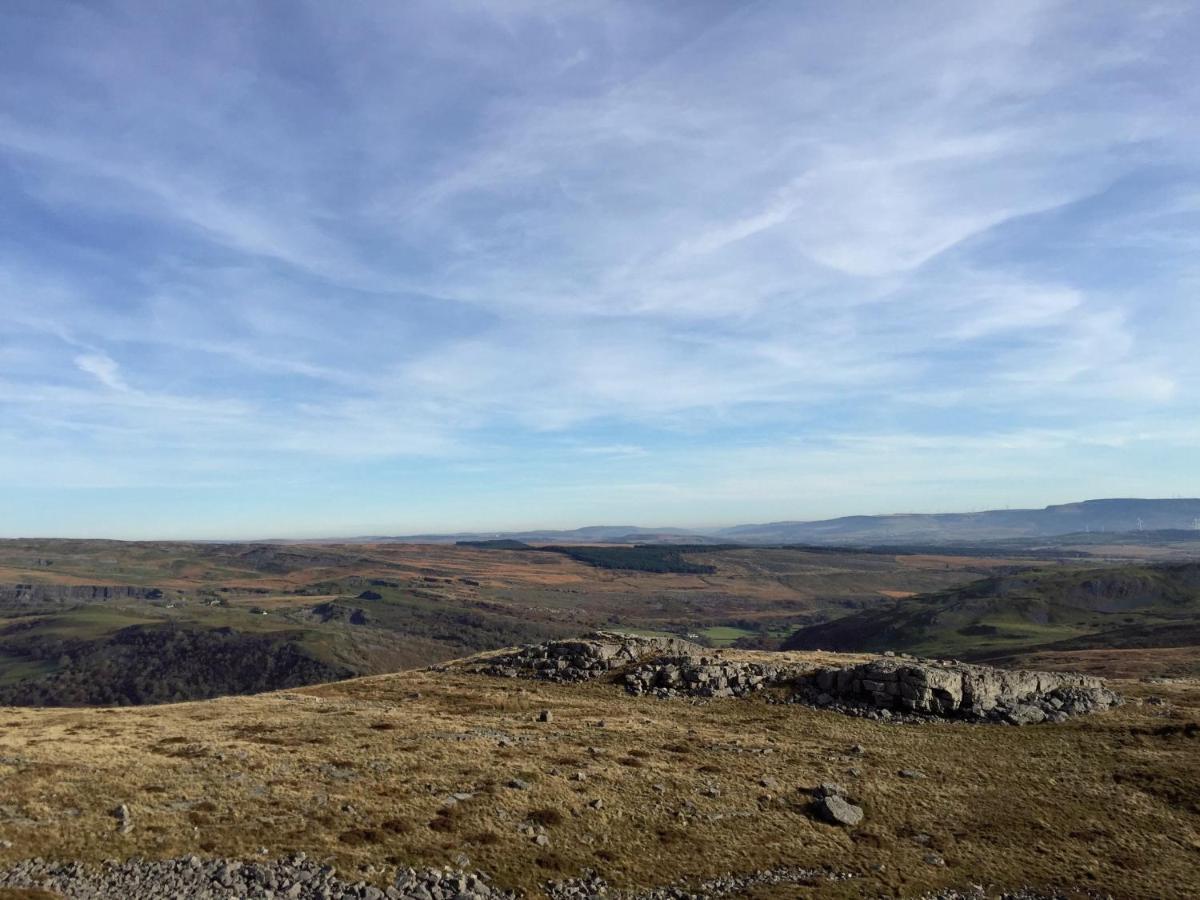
(701, 676)
(585, 658)
(24, 595)
(883, 688)
(957, 690)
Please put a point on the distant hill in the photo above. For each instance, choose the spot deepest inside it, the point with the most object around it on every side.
(1128, 515)
(590, 534)
(1114, 607)
(1130, 519)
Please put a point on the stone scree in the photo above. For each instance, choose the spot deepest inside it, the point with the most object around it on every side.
(224, 879)
(904, 687)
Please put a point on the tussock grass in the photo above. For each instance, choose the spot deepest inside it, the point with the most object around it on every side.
(1106, 803)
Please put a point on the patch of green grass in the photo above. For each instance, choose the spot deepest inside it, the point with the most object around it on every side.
(644, 632)
(14, 669)
(723, 635)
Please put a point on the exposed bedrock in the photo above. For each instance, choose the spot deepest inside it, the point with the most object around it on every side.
(40, 594)
(958, 690)
(880, 688)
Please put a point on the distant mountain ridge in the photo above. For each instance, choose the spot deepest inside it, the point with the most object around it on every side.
(614, 534)
(1120, 515)
(1113, 515)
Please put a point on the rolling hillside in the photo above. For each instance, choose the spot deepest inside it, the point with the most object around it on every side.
(1118, 607)
(87, 622)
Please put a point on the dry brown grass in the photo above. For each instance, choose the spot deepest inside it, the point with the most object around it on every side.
(1175, 662)
(362, 772)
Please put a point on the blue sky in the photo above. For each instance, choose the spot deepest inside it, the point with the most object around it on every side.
(296, 269)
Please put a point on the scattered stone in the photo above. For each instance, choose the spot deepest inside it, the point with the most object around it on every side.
(518, 784)
(590, 886)
(910, 773)
(839, 811)
(546, 716)
(124, 819)
(828, 789)
(770, 782)
(597, 804)
(224, 879)
(830, 804)
(1025, 714)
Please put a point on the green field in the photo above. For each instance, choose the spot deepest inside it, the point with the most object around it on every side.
(723, 635)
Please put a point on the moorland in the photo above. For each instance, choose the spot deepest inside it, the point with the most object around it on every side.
(126, 623)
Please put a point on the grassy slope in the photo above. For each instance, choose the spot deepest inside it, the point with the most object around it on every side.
(1004, 618)
(360, 771)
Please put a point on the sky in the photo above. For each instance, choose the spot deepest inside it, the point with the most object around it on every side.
(297, 269)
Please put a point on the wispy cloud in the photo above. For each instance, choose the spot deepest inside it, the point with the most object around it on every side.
(362, 247)
(103, 368)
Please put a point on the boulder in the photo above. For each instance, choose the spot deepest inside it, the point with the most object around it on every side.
(839, 811)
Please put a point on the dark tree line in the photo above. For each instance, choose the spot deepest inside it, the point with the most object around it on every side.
(639, 558)
(161, 664)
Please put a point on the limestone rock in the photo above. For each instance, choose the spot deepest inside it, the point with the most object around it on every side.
(839, 811)
(888, 688)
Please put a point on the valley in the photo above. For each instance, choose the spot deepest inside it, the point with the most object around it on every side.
(120, 623)
(95, 622)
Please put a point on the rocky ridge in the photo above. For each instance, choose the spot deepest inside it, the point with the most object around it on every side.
(890, 686)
